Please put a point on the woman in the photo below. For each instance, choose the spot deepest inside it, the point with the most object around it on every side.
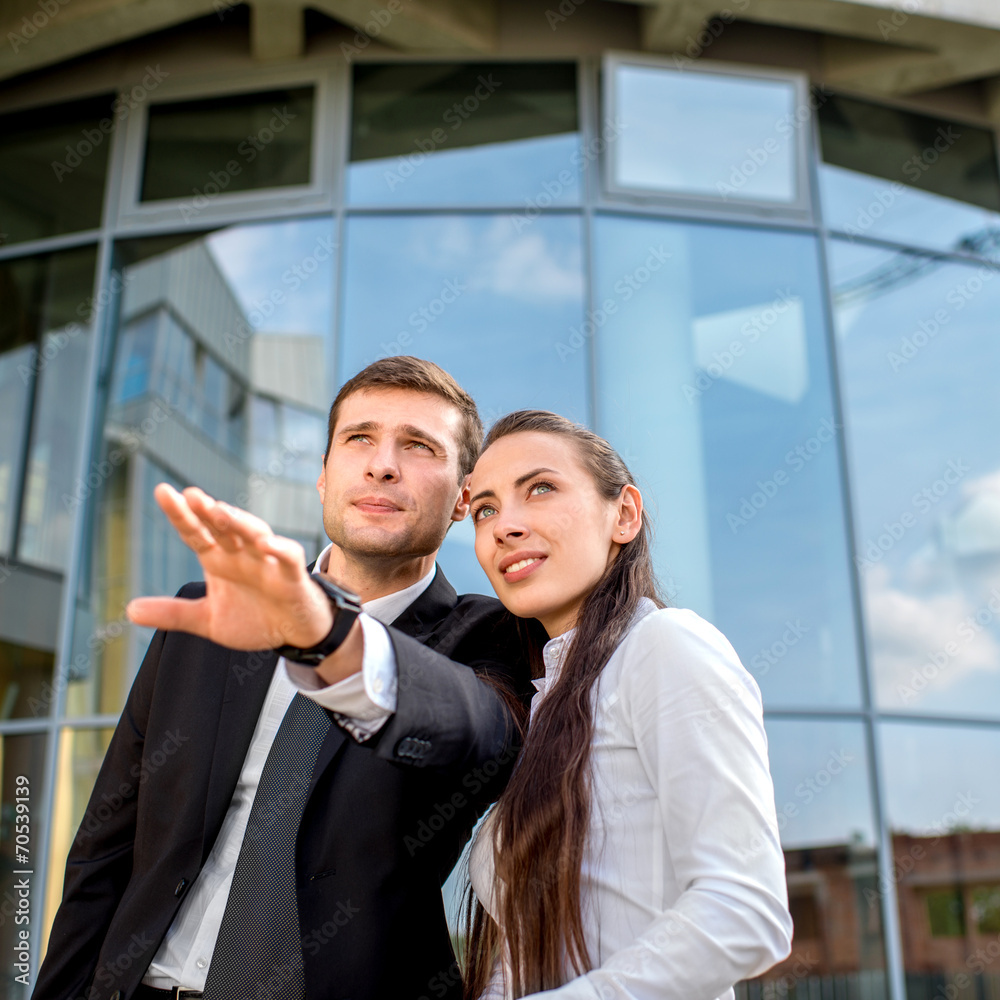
(625, 857)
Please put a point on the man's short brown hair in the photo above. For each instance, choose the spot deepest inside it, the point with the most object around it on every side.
(406, 372)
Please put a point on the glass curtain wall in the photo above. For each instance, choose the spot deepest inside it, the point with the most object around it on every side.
(808, 407)
(915, 289)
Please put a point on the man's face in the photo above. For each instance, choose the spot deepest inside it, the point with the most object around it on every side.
(390, 485)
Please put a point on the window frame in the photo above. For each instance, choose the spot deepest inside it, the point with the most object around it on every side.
(130, 213)
(799, 209)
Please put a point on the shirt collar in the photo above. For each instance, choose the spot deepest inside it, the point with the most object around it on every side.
(554, 651)
(384, 609)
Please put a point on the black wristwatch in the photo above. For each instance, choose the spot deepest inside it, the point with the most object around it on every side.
(346, 607)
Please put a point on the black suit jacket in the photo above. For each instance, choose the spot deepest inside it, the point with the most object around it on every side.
(383, 824)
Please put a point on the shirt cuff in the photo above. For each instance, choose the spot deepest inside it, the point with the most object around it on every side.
(363, 702)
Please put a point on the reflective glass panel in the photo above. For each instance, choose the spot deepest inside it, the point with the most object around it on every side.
(824, 806)
(22, 802)
(446, 134)
(862, 205)
(240, 142)
(944, 186)
(52, 166)
(45, 335)
(713, 381)
(705, 134)
(486, 298)
(919, 355)
(211, 330)
(943, 809)
(80, 754)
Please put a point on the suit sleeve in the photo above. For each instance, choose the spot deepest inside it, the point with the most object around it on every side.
(100, 859)
(451, 719)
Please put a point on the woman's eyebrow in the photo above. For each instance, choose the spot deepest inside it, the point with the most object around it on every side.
(521, 480)
(518, 483)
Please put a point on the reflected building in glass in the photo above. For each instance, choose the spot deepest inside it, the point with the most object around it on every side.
(758, 251)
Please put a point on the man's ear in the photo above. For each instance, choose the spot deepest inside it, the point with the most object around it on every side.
(321, 482)
(461, 511)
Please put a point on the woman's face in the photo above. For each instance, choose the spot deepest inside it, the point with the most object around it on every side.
(544, 535)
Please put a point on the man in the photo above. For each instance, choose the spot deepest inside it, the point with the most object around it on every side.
(181, 887)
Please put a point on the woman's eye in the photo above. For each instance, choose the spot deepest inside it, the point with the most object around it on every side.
(484, 511)
(541, 488)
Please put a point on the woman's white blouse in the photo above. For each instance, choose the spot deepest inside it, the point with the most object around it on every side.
(683, 874)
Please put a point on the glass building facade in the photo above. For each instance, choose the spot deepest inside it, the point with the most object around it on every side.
(777, 301)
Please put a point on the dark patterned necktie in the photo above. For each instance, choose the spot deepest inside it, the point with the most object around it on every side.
(259, 951)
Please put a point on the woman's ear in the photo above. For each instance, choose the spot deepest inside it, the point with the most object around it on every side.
(462, 505)
(629, 515)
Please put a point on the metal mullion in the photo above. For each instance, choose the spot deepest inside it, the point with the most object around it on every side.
(891, 929)
(964, 721)
(49, 244)
(589, 125)
(846, 714)
(477, 209)
(678, 213)
(71, 584)
(341, 100)
(34, 724)
(880, 243)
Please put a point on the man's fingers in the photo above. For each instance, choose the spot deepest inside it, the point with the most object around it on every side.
(287, 553)
(192, 532)
(231, 527)
(175, 614)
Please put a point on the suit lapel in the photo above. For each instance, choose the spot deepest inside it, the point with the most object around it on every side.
(424, 615)
(248, 676)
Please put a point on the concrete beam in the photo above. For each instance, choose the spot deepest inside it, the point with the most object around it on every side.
(430, 25)
(894, 51)
(277, 29)
(991, 94)
(34, 35)
(674, 25)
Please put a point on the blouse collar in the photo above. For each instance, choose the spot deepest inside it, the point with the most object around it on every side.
(555, 650)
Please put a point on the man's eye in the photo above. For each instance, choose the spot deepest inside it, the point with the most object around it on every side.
(420, 444)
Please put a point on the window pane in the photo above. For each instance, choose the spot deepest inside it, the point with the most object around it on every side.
(919, 354)
(25, 676)
(824, 805)
(22, 787)
(210, 328)
(56, 433)
(861, 205)
(713, 380)
(935, 155)
(943, 809)
(234, 143)
(489, 302)
(52, 166)
(444, 134)
(705, 134)
(81, 752)
(45, 339)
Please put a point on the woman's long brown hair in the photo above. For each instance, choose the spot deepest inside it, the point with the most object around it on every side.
(543, 816)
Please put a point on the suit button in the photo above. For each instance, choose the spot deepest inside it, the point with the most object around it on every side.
(181, 886)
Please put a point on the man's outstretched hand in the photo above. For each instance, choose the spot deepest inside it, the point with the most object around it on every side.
(259, 594)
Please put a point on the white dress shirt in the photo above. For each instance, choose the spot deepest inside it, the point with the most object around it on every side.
(361, 703)
(683, 889)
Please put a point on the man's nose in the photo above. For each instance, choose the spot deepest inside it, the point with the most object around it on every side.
(383, 465)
